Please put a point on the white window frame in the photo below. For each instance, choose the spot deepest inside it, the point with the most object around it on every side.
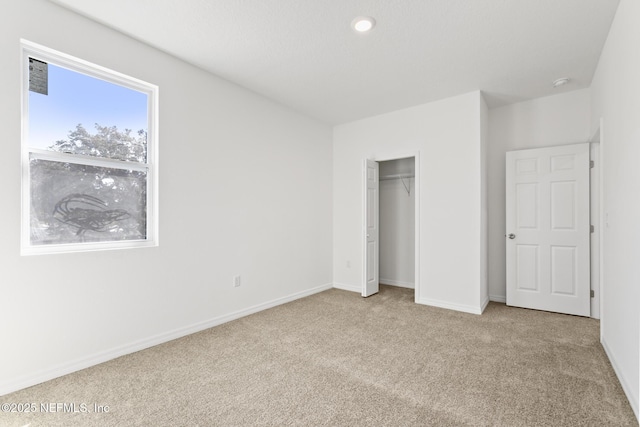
(42, 53)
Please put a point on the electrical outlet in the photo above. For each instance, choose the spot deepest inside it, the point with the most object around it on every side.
(236, 281)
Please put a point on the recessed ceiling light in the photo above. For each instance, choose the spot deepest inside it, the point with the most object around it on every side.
(561, 82)
(362, 24)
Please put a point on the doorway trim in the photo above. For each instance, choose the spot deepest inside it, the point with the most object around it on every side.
(598, 220)
(383, 157)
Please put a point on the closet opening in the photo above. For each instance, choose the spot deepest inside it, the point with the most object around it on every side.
(397, 222)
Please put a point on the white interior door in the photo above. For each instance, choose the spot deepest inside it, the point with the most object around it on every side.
(371, 219)
(547, 235)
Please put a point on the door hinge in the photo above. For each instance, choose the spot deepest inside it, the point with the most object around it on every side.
(593, 228)
(593, 294)
(591, 164)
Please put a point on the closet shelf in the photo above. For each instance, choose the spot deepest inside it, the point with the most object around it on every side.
(397, 176)
(402, 177)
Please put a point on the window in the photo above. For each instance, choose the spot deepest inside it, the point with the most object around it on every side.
(89, 156)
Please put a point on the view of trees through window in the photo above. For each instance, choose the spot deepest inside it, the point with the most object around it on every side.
(89, 185)
(79, 203)
(106, 142)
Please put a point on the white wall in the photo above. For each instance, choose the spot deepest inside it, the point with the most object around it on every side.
(245, 188)
(447, 134)
(615, 99)
(553, 120)
(397, 226)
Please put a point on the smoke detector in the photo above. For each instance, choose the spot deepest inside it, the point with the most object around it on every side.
(561, 82)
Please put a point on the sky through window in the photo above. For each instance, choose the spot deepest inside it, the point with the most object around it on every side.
(75, 98)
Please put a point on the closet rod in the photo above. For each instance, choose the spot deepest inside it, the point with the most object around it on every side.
(402, 177)
(396, 176)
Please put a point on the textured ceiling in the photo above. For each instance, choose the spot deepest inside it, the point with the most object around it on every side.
(303, 53)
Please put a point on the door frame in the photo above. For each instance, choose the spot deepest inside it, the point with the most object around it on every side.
(597, 220)
(383, 157)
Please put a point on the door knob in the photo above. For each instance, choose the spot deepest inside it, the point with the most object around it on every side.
(512, 236)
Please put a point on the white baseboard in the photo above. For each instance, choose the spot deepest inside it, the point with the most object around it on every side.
(103, 356)
(484, 304)
(498, 298)
(399, 283)
(631, 395)
(450, 306)
(345, 287)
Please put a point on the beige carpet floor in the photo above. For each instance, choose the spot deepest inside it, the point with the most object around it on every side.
(336, 359)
